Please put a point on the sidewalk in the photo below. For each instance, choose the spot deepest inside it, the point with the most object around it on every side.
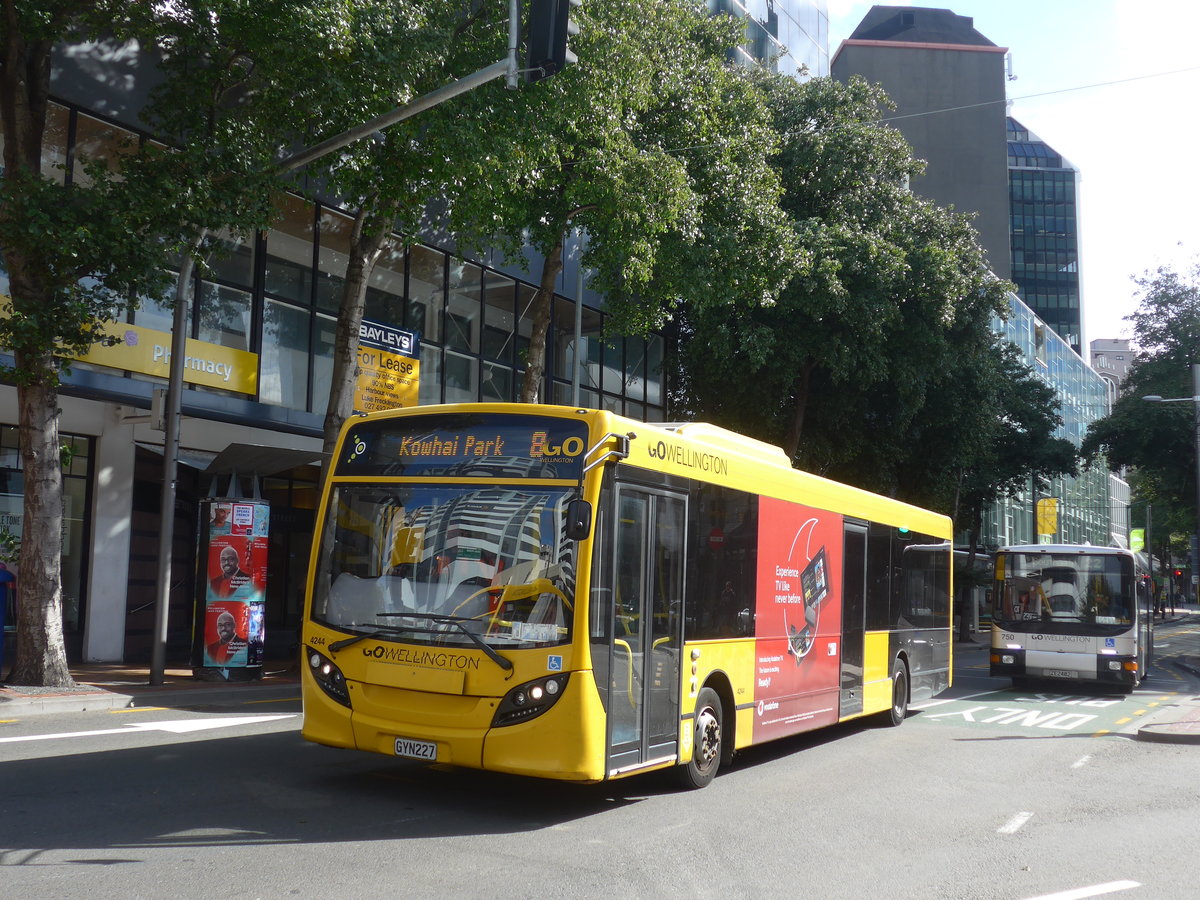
(116, 686)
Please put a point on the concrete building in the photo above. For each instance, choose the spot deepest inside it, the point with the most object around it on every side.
(1111, 358)
(948, 83)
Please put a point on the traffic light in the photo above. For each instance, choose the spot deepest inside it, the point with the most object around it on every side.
(549, 24)
(1178, 572)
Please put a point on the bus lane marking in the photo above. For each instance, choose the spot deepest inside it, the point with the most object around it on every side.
(1027, 718)
(1095, 890)
(1013, 825)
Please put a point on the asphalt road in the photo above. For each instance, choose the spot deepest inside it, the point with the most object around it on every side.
(984, 792)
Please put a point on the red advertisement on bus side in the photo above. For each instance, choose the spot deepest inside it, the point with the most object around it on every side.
(799, 607)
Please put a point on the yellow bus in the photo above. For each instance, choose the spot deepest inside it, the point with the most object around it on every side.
(570, 594)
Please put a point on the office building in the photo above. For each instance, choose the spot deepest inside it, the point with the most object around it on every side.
(947, 82)
(787, 36)
(1043, 198)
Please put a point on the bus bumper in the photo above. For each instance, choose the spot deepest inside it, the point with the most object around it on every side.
(1102, 669)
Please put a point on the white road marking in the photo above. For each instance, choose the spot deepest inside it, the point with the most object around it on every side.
(1081, 762)
(1095, 890)
(179, 726)
(929, 704)
(1013, 825)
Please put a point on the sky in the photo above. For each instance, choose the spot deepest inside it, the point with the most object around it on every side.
(1103, 82)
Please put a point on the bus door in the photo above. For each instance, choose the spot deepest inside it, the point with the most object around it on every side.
(854, 608)
(643, 712)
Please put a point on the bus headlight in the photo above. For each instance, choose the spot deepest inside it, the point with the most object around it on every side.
(526, 701)
(328, 676)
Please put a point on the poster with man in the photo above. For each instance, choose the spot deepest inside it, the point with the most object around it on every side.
(235, 583)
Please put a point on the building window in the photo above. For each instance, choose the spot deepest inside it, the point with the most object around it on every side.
(283, 369)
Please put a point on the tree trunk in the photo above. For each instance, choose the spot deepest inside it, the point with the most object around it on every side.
(367, 243)
(41, 656)
(535, 363)
(796, 430)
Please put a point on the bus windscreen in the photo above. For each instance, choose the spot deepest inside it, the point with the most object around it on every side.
(1064, 588)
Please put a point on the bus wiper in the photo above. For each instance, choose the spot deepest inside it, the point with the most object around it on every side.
(456, 621)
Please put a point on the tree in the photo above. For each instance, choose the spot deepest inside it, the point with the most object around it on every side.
(1157, 440)
(656, 146)
(1017, 444)
(891, 296)
(83, 247)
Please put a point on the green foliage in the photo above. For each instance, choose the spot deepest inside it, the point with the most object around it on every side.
(1157, 439)
(891, 304)
(655, 145)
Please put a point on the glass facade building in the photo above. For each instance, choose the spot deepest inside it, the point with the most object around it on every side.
(787, 36)
(1044, 213)
(1091, 506)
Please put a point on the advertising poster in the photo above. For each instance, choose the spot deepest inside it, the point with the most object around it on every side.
(236, 583)
(799, 608)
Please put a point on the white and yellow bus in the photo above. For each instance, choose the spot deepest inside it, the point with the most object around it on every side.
(1066, 612)
(570, 594)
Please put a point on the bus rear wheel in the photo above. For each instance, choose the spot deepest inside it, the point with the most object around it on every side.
(899, 710)
(706, 741)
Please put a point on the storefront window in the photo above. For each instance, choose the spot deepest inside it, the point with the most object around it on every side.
(290, 252)
(654, 370)
(430, 391)
(224, 316)
(323, 362)
(462, 378)
(54, 143)
(385, 289)
(498, 333)
(232, 260)
(462, 312)
(96, 140)
(426, 294)
(332, 258)
(283, 369)
(497, 383)
(76, 478)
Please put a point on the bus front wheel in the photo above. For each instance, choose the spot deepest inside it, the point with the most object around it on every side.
(706, 741)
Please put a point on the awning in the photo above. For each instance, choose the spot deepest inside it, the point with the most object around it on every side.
(255, 459)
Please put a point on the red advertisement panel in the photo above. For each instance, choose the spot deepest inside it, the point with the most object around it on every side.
(799, 606)
(236, 573)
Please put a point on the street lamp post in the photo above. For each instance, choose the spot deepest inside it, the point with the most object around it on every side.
(1195, 401)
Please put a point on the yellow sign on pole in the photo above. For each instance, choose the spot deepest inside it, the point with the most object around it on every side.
(1137, 539)
(1047, 515)
(389, 368)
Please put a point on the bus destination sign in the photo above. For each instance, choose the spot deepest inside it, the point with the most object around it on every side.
(466, 445)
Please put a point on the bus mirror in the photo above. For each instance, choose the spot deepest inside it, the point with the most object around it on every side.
(579, 519)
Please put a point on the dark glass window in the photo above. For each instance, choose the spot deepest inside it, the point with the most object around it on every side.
(722, 563)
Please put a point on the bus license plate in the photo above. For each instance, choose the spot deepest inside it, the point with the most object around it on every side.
(416, 749)
(1061, 673)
